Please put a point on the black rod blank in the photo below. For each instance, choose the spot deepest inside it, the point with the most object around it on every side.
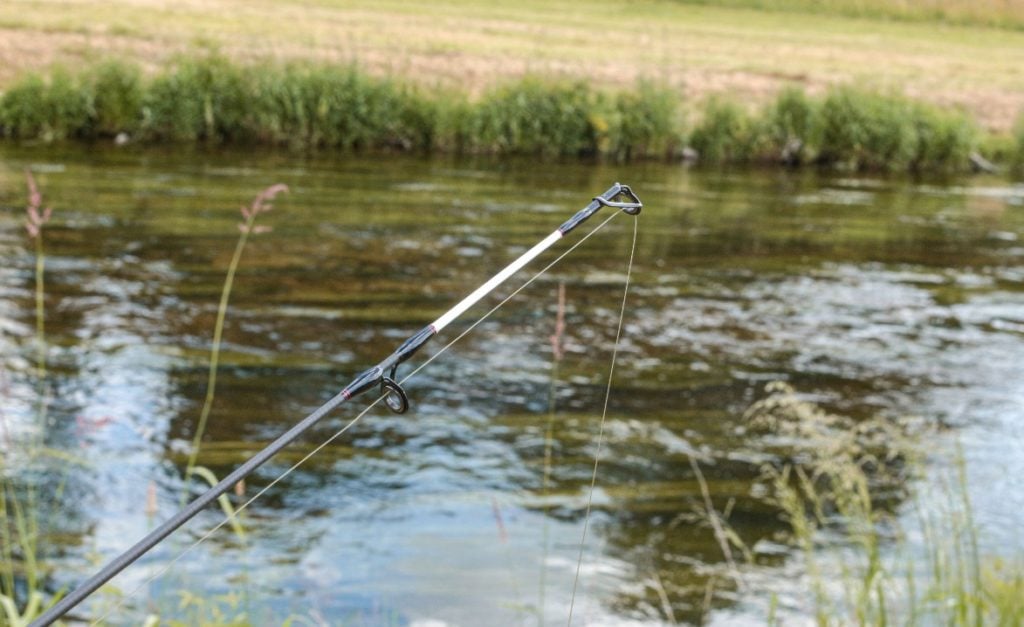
(363, 382)
(154, 537)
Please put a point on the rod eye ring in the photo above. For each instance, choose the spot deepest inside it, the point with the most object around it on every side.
(632, 207)
(394, 396)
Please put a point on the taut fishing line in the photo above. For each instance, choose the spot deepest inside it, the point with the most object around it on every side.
(604, 414)
(163, 569)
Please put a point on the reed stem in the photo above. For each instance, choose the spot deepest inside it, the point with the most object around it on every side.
(556, 357)
(218, 333)
(261, 204)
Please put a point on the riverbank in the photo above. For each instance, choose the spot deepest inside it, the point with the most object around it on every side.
(211, 99)
(743, 51)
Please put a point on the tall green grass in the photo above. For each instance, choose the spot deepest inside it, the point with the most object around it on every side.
(534, 117)
(849, 128)
(835, 480)
(209, 99)
(21, 569)
(863, 129)
(248, 227)
(790, 127)
(872, 130)
(117, 98)
(336, 107)
(201, 99)
(47, 108)
(644, 122)
(726, 133)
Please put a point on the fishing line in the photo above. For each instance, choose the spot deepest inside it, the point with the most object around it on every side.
(604, 414)
(163, 569)
(383, 374)
(511, 296)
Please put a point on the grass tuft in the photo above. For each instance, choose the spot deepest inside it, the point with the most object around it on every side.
(535, 117)
(198, 99)
(23, 108)
(246, 228)
(726, 132)
(51, 108)
(870, 130)
(21, 569)
(334, 107)
(117, 98)
(644, 123)
(944, 139)
(790, 126)
(835, 480)
(863, 129)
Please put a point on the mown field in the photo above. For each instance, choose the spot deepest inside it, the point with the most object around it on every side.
(472, 45)
(998, 13)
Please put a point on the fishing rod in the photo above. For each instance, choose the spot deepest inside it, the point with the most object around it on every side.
(383, 375)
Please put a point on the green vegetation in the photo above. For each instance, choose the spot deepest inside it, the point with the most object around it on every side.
(212, 100)
(941, 49)
(790, 125)
(866, 129)
(851, 128)
(645, 122)
(196, 99)
(117, 98)
(873, 130)
(333, 107)
(533, 117)
(261, 204)
(726, 133)
(538, 117)
(56, 107)
(833, 479)
(21, 570)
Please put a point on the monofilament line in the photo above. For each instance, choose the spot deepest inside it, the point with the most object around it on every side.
(604, 414)
(163, 569)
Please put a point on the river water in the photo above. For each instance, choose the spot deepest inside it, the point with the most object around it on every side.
(871, 296)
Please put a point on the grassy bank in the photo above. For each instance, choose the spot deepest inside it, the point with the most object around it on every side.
(321, 106)
(749, 50)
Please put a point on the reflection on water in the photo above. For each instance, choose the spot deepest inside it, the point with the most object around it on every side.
(869, 295)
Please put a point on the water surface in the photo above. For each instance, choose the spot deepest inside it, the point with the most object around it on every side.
(871, 296)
